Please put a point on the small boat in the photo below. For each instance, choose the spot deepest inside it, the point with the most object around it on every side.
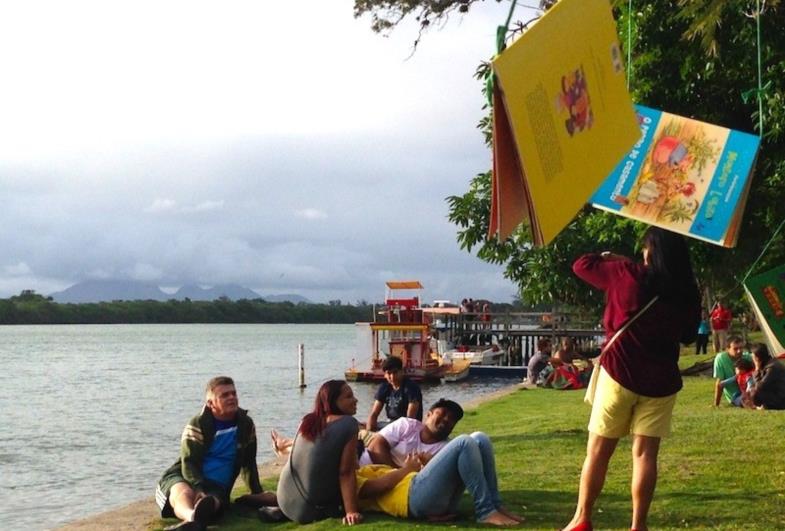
(402, 330)
(477, 354)
(456, 370)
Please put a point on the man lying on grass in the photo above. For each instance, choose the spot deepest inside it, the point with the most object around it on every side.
(394, 442)
(432, 492)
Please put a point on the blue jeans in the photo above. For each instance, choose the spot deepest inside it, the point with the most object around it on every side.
(466, 462)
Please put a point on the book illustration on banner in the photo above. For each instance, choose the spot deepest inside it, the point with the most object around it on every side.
(766, 294)
(562, 118)
(683, 175)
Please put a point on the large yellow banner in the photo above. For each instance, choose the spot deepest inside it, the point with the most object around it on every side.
(571, 119)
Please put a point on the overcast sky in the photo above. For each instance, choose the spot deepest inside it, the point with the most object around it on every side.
(279, 145)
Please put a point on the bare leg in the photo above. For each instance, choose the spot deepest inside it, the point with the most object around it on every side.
(599, 451)
(644, 477)
(182, 498)
(190, 506)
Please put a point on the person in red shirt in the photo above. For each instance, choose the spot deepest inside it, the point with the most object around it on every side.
(720, 317)
(639, 373)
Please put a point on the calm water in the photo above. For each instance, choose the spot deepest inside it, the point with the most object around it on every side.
(93, 414)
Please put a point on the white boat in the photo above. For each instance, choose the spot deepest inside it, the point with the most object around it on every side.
(476, 354)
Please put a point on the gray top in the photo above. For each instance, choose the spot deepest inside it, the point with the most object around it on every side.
(308, 488)
(536, 364)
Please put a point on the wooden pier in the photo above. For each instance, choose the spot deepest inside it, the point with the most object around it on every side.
(519, 332)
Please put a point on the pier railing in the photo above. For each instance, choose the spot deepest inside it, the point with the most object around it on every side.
(519, 332)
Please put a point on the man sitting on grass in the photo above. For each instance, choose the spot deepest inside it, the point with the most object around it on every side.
(216, 446)
(725, 368)
(398, 395)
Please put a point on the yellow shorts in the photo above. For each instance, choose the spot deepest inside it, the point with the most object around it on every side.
(618, 411)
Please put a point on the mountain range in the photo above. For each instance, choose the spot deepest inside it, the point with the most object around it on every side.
(128, 290)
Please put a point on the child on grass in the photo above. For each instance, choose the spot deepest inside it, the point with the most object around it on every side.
(744, 369)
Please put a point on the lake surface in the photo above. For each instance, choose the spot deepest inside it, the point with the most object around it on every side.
(93, 413)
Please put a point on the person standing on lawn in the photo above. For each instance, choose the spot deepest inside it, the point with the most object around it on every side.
(721, 318)
(702, 341)
(639, 373)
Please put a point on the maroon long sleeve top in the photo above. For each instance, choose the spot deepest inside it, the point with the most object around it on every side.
(644, 358)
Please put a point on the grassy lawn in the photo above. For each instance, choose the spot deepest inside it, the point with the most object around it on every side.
(722, 468)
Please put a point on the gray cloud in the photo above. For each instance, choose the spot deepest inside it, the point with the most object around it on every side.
(329, 213)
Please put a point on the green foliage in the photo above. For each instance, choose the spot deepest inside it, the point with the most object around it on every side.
(386, 14)
(693, 58)
(31, 308)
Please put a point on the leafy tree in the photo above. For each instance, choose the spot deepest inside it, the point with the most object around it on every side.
(689, 57)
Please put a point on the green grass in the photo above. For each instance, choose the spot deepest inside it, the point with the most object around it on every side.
(722, 468)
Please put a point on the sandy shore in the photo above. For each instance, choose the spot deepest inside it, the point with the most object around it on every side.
(141, 514)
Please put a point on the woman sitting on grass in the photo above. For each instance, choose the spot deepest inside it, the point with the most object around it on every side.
(320, 471)
(768, 390)
(432, 492)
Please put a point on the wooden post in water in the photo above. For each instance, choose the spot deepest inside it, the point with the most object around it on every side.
(301, 364)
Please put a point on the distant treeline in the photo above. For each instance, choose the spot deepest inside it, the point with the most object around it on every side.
(32, 308)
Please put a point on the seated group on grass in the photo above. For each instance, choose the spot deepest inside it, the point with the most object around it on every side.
(565, 369)
(749, 379)
(409, 469)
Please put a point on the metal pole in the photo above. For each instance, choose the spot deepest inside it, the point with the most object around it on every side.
(301, 364)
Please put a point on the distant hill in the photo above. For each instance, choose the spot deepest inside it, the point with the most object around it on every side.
(129, 290)
(287, 297)
(109, 290)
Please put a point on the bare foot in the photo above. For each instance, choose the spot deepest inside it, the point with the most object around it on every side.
(509, 514)
(281, 446)
(498, 519)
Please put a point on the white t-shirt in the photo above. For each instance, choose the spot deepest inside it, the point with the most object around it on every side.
(403, 436)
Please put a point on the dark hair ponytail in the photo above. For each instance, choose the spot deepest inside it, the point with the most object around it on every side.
(325, 404)
(670, 272)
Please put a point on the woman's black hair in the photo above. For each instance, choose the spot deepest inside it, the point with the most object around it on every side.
(761, 351)
(669, 267)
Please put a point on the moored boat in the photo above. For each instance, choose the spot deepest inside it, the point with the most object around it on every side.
(456, 370)
(477, 354)
(401, 330)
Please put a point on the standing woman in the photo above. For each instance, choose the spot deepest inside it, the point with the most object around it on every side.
(320, 472)
(639, 373)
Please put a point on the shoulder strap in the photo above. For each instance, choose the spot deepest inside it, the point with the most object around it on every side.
(627, 324)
